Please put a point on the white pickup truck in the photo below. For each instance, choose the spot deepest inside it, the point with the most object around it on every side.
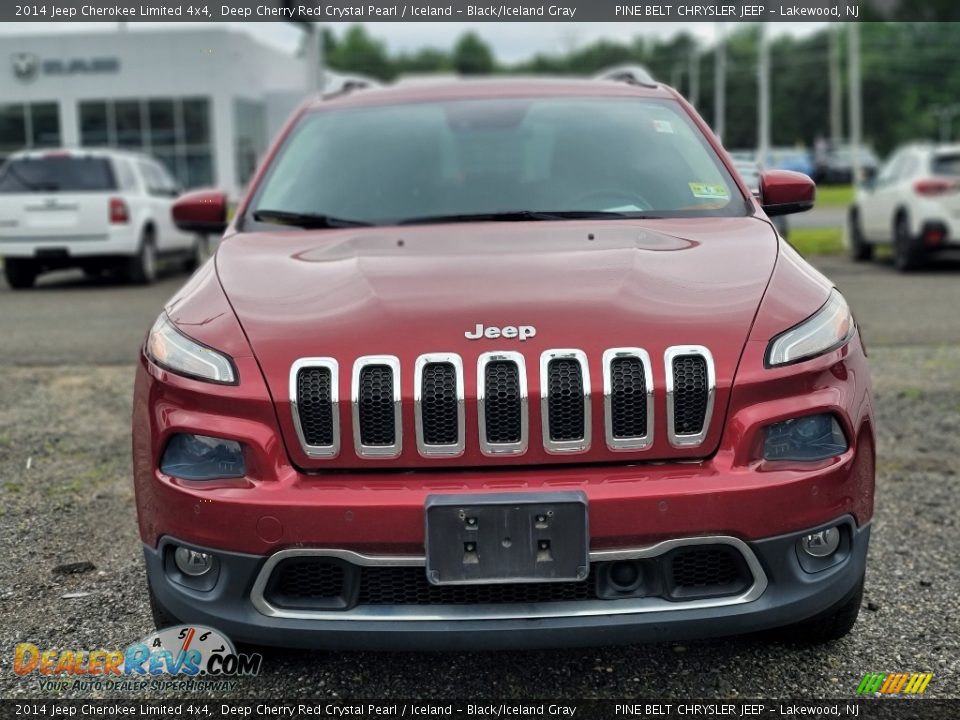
(100, 210)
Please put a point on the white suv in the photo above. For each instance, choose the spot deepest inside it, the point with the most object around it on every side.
(100, 210)
(913, 203)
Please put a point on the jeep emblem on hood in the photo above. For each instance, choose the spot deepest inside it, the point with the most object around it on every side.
(507, 331)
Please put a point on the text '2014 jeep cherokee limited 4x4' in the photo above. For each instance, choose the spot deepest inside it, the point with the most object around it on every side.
(503, 364)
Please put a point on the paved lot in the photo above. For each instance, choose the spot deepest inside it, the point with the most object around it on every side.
(65, 496)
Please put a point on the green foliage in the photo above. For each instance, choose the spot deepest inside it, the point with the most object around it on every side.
(816, 241)
(840, 196)
(472, 56)
(357, 52)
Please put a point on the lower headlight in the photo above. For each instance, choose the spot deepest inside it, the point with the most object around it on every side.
(198, 457)
(815, 437)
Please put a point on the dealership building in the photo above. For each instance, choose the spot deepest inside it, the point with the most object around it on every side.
(204, 102)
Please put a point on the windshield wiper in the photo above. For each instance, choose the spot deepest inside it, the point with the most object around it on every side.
(526, 216)
(307, 221)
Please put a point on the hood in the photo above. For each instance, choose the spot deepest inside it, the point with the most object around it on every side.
(586, 285)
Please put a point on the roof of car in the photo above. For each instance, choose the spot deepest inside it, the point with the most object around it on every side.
(79, 152)
(462, 89)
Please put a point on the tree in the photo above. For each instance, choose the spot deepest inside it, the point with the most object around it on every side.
(357, 52)
(472, 56)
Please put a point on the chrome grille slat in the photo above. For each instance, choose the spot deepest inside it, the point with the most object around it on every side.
(299, 410)
(565, 401)
(438, 413)
(691, 385)
(493, 399)
(375, 400)
(617, 400)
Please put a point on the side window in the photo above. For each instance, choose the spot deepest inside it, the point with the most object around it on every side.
(126, 180)
(891, 171)
(151, 178)
(168, 184)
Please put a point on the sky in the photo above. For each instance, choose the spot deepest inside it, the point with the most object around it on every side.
(511, 41)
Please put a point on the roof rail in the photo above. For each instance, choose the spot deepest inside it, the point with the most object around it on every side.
(341, 84)
(633, 74)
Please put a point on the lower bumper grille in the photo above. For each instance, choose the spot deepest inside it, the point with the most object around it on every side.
(682, 574)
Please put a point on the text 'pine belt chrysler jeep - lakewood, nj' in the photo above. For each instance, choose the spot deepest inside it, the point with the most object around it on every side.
(503, 363)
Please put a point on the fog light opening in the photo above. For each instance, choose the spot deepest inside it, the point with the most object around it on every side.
(199, 457)
(626, 576)
(192, 562)
(821, 544)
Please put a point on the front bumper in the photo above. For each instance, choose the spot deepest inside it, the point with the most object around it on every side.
(783, 593)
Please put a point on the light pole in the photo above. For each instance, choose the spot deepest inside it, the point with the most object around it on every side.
(720, 83)
(763, 99)
(856, 117)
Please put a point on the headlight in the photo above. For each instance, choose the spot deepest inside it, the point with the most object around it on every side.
(171, 349)
(827, 329)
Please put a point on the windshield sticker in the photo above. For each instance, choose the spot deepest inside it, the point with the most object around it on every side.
(663, 126)
(708, 190)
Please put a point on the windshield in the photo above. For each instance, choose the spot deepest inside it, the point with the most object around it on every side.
(405, 163)
(56, 174)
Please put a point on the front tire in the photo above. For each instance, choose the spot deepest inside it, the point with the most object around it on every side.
(860, 249)
(907, 253)
(21, 274)
(142, 267)
(826, 627)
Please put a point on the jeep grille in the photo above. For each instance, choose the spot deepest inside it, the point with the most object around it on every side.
(566, 402)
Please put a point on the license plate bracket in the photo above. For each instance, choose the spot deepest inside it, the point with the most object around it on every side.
(507, 538)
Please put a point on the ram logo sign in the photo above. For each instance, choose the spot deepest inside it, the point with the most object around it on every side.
(894, 683)
(25, 66)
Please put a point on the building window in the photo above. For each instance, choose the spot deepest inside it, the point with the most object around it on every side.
(94, 125)
(176, 131)
(33, 125)
(249, 127)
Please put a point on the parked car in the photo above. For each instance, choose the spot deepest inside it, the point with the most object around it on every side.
(529, 369)
(101, 210)
(789, 158)
(913, 204)
(835, 165)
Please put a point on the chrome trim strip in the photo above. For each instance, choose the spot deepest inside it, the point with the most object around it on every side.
(499, 449)
(627, 443)
(447, 450)
(408, 613)
(377, 451)
(317, 451)
(562, 447)
(689, 440)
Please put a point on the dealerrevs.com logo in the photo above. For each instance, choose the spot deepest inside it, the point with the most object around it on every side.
(894, 683)
(173, 658)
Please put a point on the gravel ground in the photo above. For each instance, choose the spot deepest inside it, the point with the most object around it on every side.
(66, 496)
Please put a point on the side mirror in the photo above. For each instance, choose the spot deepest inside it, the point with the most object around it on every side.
(202, 211)
(869, 181)
(783, 192)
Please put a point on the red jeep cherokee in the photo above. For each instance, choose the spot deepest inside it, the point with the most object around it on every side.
(503, 363)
